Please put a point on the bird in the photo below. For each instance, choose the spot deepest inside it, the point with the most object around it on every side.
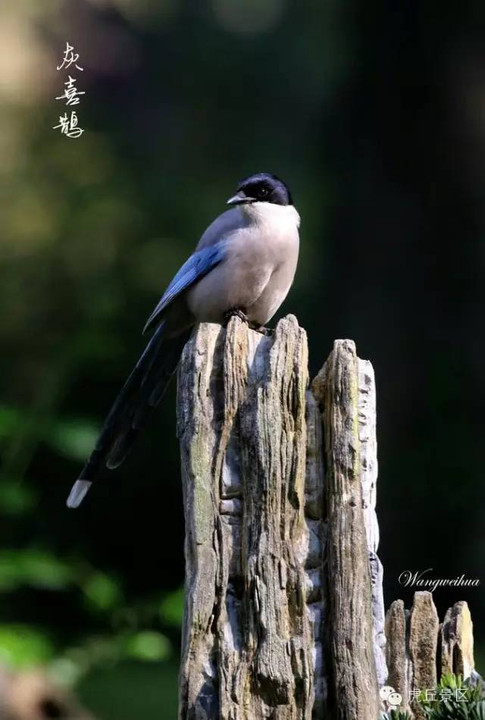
(244, 265)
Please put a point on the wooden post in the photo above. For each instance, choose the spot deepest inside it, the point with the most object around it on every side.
(349, 626)
(420, 650)
(268, 633)
(423, 643)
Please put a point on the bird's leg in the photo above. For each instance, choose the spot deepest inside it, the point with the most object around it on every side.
(236, 312)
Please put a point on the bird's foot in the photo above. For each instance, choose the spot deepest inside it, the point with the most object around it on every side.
(268, 332)
(236, 312)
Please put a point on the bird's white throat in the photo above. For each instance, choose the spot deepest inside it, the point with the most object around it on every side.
(271, 214)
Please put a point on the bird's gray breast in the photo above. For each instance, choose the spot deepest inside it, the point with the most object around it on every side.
(255, 275)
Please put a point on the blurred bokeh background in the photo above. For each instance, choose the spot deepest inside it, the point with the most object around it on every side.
(374, 113)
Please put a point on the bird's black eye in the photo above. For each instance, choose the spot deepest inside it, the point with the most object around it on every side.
(263, 192)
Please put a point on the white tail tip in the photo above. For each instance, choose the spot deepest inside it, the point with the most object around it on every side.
(78, 492)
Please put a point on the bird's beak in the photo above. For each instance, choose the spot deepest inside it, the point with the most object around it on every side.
(239, 199)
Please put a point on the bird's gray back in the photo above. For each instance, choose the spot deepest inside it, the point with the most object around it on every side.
(223, 226)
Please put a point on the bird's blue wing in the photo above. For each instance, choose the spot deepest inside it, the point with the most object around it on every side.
(198, 265)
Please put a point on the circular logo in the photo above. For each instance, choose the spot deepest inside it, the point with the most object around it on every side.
(394, 699)
(385, 691)
(390, 696)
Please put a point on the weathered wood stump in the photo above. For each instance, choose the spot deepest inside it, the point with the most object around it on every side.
(420, 649)
(284, 613)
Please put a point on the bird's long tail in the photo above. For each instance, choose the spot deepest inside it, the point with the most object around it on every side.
(142, 391)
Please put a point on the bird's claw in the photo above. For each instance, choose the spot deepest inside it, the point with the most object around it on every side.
(236, 312)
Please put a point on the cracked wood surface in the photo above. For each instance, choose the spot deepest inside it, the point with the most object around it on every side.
(261, 638)
(349, 624)
(247, 647)
(420, 649)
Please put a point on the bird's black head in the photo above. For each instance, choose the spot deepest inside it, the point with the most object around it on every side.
(262, 187)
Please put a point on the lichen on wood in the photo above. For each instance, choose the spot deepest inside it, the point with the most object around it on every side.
(457, 641)
(281, 620)
(247, 645)
(420, 651)
(397, 653)
(349, 626)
